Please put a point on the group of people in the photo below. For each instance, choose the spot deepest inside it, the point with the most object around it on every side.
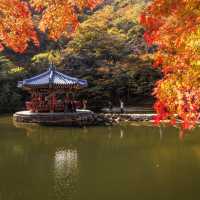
(53, 103)
(72, 106)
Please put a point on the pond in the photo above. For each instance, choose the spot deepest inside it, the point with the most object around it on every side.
(127, 162)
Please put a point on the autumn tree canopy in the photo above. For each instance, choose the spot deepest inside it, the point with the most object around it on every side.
(174, 27)
(17, 27)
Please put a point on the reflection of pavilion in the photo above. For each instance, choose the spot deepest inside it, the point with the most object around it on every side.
(52, 100)
(65, 172)
(66, 162)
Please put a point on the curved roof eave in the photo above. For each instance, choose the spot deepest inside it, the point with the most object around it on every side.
(50, 78)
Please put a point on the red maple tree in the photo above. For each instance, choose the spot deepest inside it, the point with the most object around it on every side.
(17, 27)
(173, 25)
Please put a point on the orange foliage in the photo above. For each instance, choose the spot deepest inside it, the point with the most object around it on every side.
(171, 25)
(16, 26)
(58, 16)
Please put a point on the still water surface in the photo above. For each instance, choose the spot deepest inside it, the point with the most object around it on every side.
(99, 163)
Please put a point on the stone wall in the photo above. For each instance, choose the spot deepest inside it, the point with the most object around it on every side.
(86, 118)
(116, 117)
(81, 118)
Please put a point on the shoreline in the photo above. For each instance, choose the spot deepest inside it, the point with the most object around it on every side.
(128, 117)
(80, 118)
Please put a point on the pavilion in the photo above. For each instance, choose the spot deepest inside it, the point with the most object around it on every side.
(52, 101)
(52, 91)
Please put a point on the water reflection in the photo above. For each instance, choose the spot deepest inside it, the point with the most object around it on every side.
(112, 163)
(66, 162)
(161, 132)
(65, 173)
(121, 133)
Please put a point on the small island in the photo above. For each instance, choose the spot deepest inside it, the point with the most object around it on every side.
(52, 101)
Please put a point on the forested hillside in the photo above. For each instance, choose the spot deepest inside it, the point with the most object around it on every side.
(107, 49)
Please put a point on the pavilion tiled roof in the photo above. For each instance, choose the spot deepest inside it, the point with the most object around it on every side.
(52, 78)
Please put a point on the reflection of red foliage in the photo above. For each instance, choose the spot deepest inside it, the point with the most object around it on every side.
(181, 134)
(185, 125)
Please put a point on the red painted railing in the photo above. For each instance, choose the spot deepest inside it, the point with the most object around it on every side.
(41, 106)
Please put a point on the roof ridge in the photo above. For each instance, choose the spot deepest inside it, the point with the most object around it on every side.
(52, 77)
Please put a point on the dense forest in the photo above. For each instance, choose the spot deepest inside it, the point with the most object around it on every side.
(108, 49)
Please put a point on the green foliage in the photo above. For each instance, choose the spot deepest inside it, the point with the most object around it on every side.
(46, 57)
(108, 50)
(10, 95)
(5, 65)
(112, 33)
(132, 84)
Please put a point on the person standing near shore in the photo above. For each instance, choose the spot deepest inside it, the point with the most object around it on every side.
(121, 106)
(84, 102)
(110, 106)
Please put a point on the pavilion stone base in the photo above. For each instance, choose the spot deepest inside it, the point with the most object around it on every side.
(79, 118)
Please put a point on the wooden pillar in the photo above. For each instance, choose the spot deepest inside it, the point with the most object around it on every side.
(29, 104)
(52, 101)
(33, 99)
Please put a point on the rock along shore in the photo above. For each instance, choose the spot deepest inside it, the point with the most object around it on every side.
(127, 117)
